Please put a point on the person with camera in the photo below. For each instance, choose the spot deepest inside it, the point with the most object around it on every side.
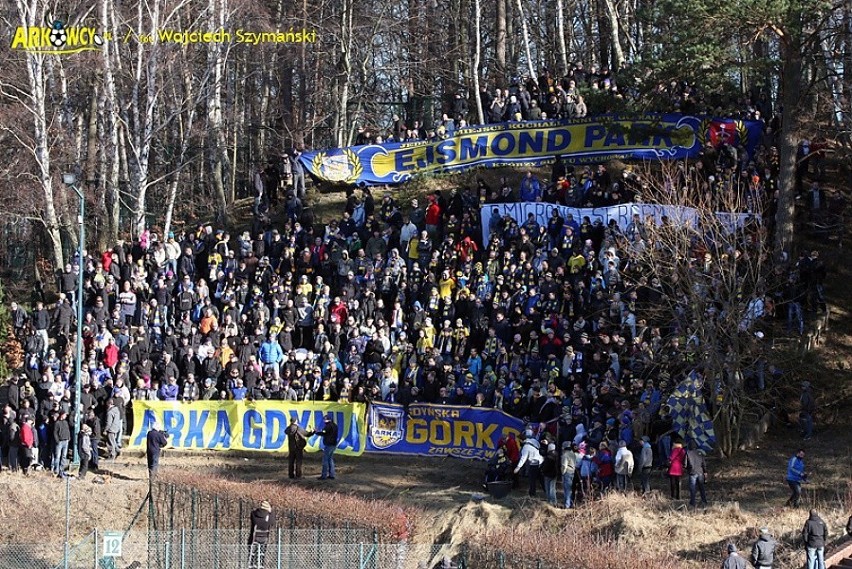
(156, 441)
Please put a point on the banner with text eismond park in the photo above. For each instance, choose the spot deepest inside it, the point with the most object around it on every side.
(438, 430)
(532, 143)
(244, 425)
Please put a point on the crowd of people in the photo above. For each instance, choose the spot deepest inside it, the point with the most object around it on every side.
(405, 302)
(551, 96)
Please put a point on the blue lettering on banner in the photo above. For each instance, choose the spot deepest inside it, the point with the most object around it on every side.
(252, 429)
(274, 422)
(173, 425)
(222, 434)
(195, 430)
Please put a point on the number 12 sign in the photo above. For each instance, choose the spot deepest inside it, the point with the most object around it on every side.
(112, 543)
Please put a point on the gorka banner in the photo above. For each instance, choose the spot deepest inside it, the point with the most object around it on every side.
(622, 214)
(532, 143)
(438, 430)
(243, 425)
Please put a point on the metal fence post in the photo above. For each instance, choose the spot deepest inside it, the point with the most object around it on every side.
(172, 509)
(167, 551)
(216, 530)
(501, 559)
(319, 542)
(538, 563)
(95, 550)
(182, 548)
(278, 553)
(292, 534)
(361, 556)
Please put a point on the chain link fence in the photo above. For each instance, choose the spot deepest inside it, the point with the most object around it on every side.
(226, 549)
(174, 507)
(83, 555)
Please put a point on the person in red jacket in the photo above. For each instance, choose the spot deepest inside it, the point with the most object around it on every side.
(677, 459)
(433, 216)
(111, 355)
(606, 466)
(27, 443)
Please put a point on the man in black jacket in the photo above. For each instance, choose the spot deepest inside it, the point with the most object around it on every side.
(297, 440)
(155, 442)
(94, 423)
(763, 550)
(815, 534)
(329, 443)
(262, 523)
(61, 437)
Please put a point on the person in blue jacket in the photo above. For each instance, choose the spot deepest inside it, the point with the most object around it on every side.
(796, 476)
(530, 188)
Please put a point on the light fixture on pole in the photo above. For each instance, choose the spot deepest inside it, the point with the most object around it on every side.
(70, 180)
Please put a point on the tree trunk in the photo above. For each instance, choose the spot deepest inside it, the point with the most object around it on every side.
(790, 117)
(41, 138)
(344, 70)
(525, 31)
(560, 31)
(614, 28)
(215, 138)
(477, 52)
(499, 40)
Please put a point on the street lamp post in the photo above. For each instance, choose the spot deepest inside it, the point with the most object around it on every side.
(70, 180)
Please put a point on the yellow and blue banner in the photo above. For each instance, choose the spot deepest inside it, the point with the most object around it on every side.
(247, 425)
(439, 430)
(690, 417)
(530, 144)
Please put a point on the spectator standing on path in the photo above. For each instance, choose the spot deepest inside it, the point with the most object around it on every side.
(569, 470)
(550, 467)
(815, 535)
(61, 437)
(297, 440)
(84, 448)
(763, 550)
(677, 458)
(298, 174)
(530, 456)
(112, 428)
(623, 467)
(734, 560)
(796, 476)
(696, 469)
(262, 522)
(808, 408)
(329, 445)
(646, 463)
(155, 442)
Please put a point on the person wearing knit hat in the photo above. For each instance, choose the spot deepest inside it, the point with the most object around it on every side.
(763, 550)
(734, 561)
(262, 523)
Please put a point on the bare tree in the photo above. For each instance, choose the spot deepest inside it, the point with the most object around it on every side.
(713, 275)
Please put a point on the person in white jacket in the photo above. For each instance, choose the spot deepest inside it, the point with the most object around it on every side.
(570, 458)
(623, 467)
(531, 456)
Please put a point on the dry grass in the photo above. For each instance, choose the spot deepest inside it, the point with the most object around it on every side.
(314, 507)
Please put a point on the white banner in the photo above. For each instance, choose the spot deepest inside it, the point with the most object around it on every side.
(621, 213)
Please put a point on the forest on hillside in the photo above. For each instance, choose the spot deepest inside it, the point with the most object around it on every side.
(159, 130)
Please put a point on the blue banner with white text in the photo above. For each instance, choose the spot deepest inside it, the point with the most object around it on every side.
(438, 430)
(532, 143)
